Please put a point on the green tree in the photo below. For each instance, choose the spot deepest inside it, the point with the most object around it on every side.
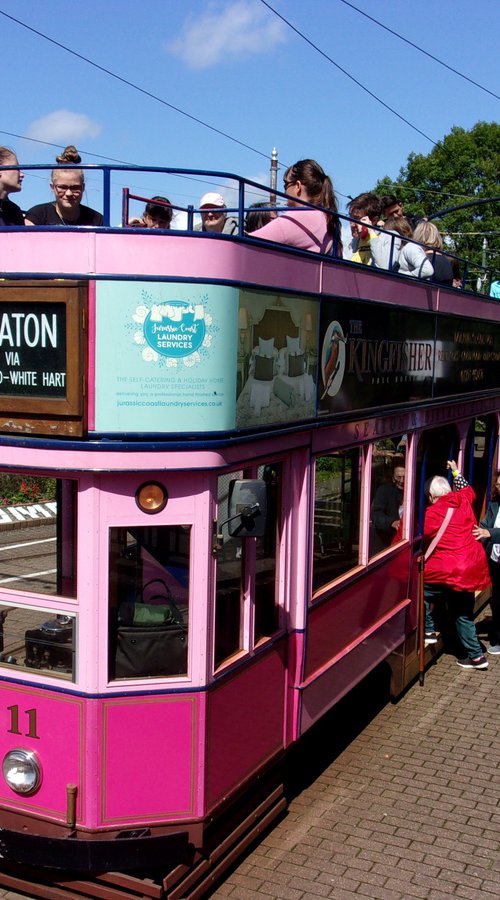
(464, 166)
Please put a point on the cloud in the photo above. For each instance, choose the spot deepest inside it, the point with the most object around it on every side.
(63, 126)
(225, 33)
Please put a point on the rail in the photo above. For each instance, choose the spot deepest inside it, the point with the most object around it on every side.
(474, 277)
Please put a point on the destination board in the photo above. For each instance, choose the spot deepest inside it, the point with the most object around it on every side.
(42, 353)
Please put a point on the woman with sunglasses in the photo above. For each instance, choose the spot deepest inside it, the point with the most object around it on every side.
(68, 186)
(301, 226)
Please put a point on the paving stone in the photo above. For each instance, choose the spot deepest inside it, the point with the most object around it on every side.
(409, 809)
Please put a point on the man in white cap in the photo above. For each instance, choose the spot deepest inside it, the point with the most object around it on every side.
(214, 217)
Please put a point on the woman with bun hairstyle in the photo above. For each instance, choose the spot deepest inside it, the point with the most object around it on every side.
(68, 186)
(10, 182)
(300, 226)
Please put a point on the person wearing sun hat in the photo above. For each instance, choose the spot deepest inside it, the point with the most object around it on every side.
(214, 217)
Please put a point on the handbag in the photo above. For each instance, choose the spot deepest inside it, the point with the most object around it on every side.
(151, 638)
(439, 534)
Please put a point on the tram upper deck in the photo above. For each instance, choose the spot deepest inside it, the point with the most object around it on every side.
(132, 333)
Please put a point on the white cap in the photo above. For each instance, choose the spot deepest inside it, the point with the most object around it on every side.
(212, 200)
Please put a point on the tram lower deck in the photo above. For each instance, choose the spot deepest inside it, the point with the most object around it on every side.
(196, 580)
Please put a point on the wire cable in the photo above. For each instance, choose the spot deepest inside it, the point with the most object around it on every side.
(421, 50)
(135, 87)
(345, 72)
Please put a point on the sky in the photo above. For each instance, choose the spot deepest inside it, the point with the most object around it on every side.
(238, 67)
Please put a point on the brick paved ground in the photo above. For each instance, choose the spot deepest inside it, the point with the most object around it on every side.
(410, 808)
(395, 803)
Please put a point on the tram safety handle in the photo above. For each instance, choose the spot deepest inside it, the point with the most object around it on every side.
(71, 792)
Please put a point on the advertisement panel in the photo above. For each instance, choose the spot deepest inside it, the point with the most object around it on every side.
(371, 355)
(165, 357)
(467, 356)
(277, 359)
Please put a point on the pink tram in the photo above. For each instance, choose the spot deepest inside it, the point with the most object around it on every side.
(210, 418)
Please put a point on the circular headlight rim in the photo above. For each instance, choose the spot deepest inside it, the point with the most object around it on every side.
(162, 505)
(18, 754)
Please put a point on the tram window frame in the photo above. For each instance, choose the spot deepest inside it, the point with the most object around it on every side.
(393, 452)
(358, 468)
(245, 636)
(149, 608)
(66, 535)
(46, 637)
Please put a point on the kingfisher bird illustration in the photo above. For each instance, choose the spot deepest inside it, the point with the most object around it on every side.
(332, 363)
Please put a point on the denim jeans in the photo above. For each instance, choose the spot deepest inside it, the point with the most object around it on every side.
(460, 606)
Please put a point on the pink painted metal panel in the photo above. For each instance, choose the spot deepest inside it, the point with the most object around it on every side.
(49, 252)
(203, 258)
(52, 726)
(295, 657)
(178, 255)
(245, 722)
(150, 759)
(364, 283)
(98, 459)
(321, 694)
(335, 623)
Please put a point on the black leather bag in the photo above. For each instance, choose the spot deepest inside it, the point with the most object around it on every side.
(147, 649)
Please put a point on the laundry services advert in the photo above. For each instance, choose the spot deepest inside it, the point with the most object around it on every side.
(162, 360)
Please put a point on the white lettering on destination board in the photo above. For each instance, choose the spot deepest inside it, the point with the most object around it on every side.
(31, 330)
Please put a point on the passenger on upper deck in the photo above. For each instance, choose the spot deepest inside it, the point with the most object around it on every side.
(411, 259)
(214, 217)
(156, 215)
(307, 229)
(68, 186)
(258, 215)
(366, 210)
(427, 233)
(10, 183)
(391, 208)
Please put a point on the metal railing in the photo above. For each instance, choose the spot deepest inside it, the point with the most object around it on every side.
(472, 274)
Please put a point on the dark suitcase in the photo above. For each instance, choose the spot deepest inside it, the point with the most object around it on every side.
(50, 647)
(148, 649)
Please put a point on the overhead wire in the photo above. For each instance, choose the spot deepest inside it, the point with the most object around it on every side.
(189, 115)
(421, 49)
(131, 84)
(124, 162)
(348, 74)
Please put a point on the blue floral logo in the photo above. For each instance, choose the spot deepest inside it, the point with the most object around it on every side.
(176, 330)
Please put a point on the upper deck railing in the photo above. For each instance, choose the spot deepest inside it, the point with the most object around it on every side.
(116, 199)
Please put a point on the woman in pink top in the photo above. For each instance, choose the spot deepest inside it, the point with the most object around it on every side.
(300, 226)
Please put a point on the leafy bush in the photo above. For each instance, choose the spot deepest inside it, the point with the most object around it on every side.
(19, 490)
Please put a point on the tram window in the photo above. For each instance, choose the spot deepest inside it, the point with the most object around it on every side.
(266, 564)
(149, 601)
(229, 580)
(336, 516)
(38, 537)
(387, 492)
(37, 640)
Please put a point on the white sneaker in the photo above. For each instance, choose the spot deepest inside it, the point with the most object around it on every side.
(494, 649)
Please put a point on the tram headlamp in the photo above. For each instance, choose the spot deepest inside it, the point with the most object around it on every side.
(151, 497)
(22, 771)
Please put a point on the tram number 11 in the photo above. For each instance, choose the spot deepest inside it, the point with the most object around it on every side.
(14, 722)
